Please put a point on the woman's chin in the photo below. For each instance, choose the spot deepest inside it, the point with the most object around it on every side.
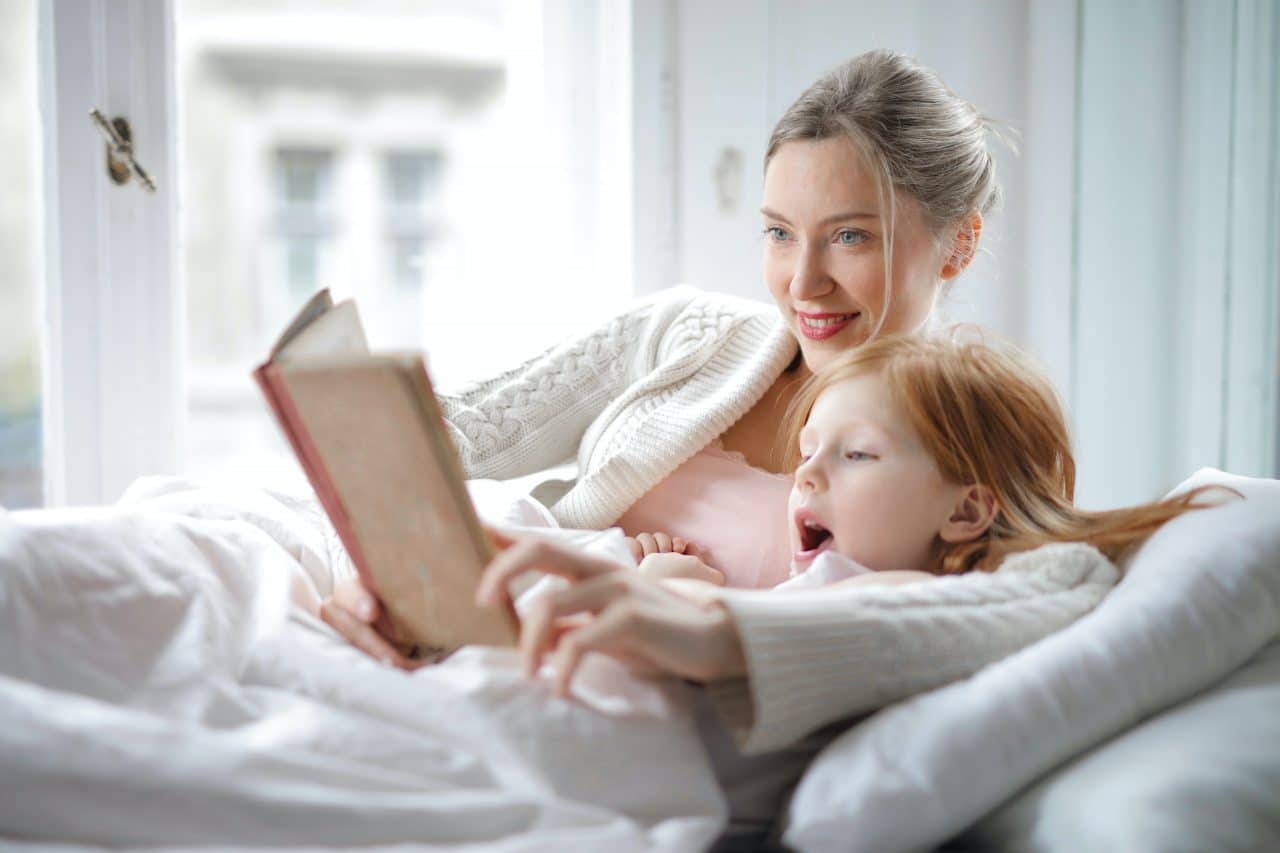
(818, 354)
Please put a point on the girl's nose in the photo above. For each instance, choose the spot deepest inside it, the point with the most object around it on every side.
(809, 475)
(810, 279)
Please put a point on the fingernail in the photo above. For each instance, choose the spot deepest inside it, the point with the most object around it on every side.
(387, 661)
(365, 608)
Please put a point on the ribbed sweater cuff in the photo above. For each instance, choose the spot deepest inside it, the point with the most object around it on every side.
(825, 655)
(807, 654)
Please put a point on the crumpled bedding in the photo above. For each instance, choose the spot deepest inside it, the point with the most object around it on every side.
(163, 682)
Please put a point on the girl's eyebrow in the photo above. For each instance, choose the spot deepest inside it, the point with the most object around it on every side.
(839, 217)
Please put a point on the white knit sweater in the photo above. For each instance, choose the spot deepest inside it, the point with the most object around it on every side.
(630, 400)
(636, 397)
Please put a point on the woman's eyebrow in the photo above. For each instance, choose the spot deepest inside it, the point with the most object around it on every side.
(839, 217)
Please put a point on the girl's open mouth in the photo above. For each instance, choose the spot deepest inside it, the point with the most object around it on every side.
(814, 539)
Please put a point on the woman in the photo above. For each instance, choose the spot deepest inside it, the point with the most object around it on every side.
(876, 182)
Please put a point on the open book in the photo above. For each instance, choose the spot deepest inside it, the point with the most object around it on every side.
(368, 432)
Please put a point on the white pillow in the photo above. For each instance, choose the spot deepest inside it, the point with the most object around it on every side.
(1200, 598)
(1204, 775)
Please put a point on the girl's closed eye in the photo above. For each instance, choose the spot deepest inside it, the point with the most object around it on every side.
(859, 456)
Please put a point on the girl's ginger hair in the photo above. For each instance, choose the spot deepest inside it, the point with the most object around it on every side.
(987, 417)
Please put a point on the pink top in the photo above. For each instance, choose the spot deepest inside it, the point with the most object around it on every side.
(736, 514)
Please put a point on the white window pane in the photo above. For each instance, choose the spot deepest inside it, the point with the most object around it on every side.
(20, 240)
(400, 152)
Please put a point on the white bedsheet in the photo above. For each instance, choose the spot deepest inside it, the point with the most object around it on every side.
(161, 685)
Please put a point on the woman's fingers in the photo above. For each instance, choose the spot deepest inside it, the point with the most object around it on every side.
(352, 596)
(534, 554)
(362, 636)
(500, 538)
(613, 632)
(543, 624)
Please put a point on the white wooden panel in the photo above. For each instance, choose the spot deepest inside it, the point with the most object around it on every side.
(724, 77)
(1126, 262)
(654, 145)
(1048, 156)
(113, 334)
(1253, 289)
(983, 56)
(1202, 234)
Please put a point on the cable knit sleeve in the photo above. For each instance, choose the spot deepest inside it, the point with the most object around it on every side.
(814, 657)
(533, 416)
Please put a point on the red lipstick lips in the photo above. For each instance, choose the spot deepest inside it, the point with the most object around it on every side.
(817, 327)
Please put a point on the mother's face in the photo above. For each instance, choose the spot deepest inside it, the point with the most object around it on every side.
(824, 250)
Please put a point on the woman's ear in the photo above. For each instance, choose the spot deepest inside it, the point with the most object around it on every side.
(974, 512)
(963, 247)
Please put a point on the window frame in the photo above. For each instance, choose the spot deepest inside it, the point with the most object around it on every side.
(113, 335)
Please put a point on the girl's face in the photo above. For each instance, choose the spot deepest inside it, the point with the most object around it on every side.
(866, 487)
(825, 245)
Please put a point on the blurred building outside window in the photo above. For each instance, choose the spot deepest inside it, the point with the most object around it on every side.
(305, 217)
(408, 154)
(21, 464)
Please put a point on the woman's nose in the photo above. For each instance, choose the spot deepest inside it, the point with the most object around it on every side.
(810, 279)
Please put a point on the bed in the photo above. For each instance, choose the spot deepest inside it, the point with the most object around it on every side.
(163, 684)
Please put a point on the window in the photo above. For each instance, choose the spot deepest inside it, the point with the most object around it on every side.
(463, 168)
(21, 468)
(304, 219)
(408, 155)
(411, 191)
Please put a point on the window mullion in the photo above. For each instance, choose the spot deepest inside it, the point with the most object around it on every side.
(113, 307)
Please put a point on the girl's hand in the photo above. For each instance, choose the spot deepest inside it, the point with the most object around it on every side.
(666, 566)
(355, 613)
(645, 544)
(612, 609)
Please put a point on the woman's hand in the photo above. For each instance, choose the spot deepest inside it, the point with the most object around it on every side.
(612, 609)
(355, 613)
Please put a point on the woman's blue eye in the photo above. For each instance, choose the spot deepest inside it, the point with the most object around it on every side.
(850, 237)
(774, 232)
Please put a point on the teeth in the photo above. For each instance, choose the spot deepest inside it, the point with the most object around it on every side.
(825, 321)
(812, 526)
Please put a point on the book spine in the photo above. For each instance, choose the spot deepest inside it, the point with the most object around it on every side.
(282, 406)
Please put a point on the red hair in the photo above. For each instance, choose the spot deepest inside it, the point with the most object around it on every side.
(987, 417)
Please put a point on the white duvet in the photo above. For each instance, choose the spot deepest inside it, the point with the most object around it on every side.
(161, 684)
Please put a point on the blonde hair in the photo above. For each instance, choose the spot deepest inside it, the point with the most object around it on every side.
(988, 418)
(914, 134)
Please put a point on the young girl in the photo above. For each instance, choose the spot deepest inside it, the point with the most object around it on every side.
(925, 456)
